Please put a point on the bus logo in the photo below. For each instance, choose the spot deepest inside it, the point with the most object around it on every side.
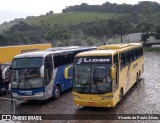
(80, 61)
(89, 60)
(25, 92)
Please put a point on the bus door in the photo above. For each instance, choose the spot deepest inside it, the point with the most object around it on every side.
(116, 81)
(70, 69)
(48, 72)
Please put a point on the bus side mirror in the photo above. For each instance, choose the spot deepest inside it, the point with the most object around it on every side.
(68, 72)
(113, 72)
(42, 71)
(4, 73)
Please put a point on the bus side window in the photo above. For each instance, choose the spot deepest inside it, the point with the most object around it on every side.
(126, 57)
(135, 54)
(131, 55)
(122, 60)
(138, 53)
(48, 67)
(116, 59)
(141, 51)
(71, 56)
(57, 61)
(65, 59)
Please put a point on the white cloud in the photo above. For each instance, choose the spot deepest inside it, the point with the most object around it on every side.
(7, 15)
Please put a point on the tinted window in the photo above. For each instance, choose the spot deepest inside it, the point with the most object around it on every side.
(27, 62)
(116, 59)
(122, 60)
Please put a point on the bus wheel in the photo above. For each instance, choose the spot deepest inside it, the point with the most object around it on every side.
(57, 92)
(0, 92)
(137, 79)
(11, 99)
(121, 95)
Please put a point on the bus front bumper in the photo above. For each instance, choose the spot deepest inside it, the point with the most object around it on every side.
(31, 97)
(93, 103)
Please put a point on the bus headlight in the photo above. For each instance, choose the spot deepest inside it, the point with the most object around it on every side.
(75, 96)
(39, 94)
(107, 97)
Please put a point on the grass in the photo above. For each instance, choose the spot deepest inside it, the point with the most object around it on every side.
(65, 18)
(70, 18)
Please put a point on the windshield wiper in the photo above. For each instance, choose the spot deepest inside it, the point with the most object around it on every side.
(29, 84)
(86, 83)
(97, 88)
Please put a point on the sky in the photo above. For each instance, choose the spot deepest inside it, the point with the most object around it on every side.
(11, 9)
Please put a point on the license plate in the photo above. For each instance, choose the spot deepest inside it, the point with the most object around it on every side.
(91, 103)
(25, 98)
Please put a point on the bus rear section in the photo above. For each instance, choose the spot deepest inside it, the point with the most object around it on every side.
(100, 80)
(12, 51)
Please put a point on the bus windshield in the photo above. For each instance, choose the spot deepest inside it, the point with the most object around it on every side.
(92, 78)
(26, 73)
(26, 78)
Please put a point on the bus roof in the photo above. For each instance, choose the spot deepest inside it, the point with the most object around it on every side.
(47, 52)
(119, 46)
(109, 49)
(36, 54)
(6, 47)
(63, 48)
(96, 53)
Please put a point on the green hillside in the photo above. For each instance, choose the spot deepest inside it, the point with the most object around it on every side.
(64, 18)
(70, 18)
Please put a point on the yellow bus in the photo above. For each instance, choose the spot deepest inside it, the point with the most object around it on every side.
(8, 52)
(103, 76)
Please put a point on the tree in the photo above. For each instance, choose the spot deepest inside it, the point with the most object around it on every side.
(146, 12)
(157, 32)
(58, 32)
(119, 27)
(51, 12)
(145, 28)
(3, 41)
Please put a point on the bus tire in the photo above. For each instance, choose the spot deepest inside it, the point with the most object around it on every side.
(121, 95)
(11, 99)
(0, 92)
(57, 92)
(137, 78)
